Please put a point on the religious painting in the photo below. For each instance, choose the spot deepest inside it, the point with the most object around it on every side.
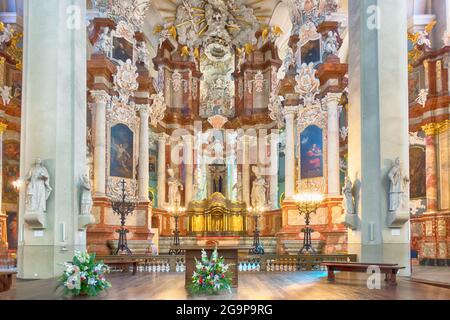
(15, 82)
(11, 230)
(417, 172)
(152, 162)
(311, 152)
(413, 85)
(122, 49)
(121, 163)
(11, 150)
(310, 52)
(10, 174)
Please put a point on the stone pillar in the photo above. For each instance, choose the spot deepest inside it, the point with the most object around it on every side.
(378, 132)
(246, 170)
(332, 101)
(143, 174)
(431, 167)
(53, 127)
(101, 99)
(274, 141)
(162, 140)
(289, 114)
(3, 127)
(189, 163)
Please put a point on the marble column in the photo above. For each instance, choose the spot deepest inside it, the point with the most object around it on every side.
(289, 114)
(3, 127)
(189, 166)
(143, 174)
(162, 140)
(246, 170)
(431, 131)
(53, 128)
(332, 103)
(101, 100)
(378, 131)
(274, 141)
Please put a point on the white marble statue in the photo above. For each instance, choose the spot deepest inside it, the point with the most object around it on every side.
(331, 45)
(104, 43)
(38, 188)
(238, 187)
(398, 183)
(86, 195)
(174, 189)
(422, 97)
(5, 93)
(259, 189)
(347, 192)
(7, 35)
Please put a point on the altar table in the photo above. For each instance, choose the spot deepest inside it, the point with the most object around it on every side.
(229, 253)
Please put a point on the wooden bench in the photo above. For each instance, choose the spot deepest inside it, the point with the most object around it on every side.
(6, 279)
(389, 269)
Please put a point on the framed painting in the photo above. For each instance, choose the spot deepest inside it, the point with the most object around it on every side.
(10, 174)
(311, 52)
(11, 230)
(122, 50)
(311, 153)
(417, 172)
(121, 154)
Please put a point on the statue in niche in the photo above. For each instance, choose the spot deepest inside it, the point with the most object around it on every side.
(347, 192)
(259, 189)
(38, 188)
(330, 45)
(398, 184)
(86, 195)
(217, 179)
(174, 189)
(104, 43)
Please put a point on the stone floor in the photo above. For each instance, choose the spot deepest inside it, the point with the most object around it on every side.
(252, 286)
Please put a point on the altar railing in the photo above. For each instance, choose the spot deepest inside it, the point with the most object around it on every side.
(247, 263)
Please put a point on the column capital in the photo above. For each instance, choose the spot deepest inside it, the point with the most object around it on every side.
(100, 96)
(188, 138)
(431, 129)
(143, 109)
(3, 127)
(163, 137)
(332, 98)
(290, 111)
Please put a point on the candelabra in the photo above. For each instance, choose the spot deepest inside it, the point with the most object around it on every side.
(257, 247)
(123, 208)
(175, 245)
(307, 204)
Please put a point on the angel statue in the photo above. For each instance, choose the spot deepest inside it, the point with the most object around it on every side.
(397, 186)
(104, 43)
(330, 45)
(5, 93)
(422, 38)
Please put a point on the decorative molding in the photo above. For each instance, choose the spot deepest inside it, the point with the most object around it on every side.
(276, 109)
(114, 188)
(308, 85)
(312, 115)
(415, 140)
(131, 12)
(100, 96)
(125, 80)
(157, 109)
(122, 113)
(217, 121)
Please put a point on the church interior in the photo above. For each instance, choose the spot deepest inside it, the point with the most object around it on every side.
(307, 141)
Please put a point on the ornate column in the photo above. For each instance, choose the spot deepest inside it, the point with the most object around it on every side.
(289, 114)
(332, 100)
(246, 170)
(189, 163)
(3, 127)
(274, 140)
(143, 174)
(431, 130)
(101, 99)
(162, 140)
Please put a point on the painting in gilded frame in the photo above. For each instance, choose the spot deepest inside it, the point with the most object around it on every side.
(121, 163)
(417, 172)
(311, 153)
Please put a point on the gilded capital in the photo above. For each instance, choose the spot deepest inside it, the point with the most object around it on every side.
(430, 129)
(443, 126)
(3, 127)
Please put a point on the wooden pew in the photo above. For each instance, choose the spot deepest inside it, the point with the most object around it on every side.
(389, 269)
(6, 279)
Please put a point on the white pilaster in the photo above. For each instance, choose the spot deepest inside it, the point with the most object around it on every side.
(246, 170)
(189, 163)
(274, 140)
(3, 127)
(143, 174)
(289, 114)
(162, 140)
(101, 99)
(332, 100)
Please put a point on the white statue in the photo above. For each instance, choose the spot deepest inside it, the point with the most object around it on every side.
(7, 35)
(347, 192)
(104, 43)
(174, 189)
(238, 187)
(289, 59)
(259, 189)
(422, 97)
(331, 45)
(142, 54)
(397, 188)
(158, 108)
(5, 93)
(38, 188)
(86, 195)
(276, 109)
